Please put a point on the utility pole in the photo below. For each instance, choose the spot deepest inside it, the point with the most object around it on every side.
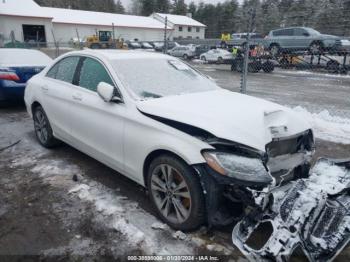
(113, 32)
(165, 36)
(243, 90)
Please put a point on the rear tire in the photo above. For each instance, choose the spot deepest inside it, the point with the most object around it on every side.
(333, 66)
(185, 56)
(220, 60)
(42, 127)
(316, 48)
(176, 193)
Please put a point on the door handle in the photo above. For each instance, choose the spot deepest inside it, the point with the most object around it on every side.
(77, 97)
(45, 88)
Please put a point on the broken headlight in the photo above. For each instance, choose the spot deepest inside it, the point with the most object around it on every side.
(238, 167)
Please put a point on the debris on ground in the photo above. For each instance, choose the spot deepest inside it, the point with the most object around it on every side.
(180, 235)
(159, 225)
(311, 216)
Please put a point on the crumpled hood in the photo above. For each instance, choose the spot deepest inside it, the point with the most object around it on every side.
(228, 115)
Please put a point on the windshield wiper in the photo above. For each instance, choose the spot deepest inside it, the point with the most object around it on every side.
(146, 94)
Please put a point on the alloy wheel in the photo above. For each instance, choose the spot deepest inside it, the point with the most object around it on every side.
(40, 125)
(171, 193)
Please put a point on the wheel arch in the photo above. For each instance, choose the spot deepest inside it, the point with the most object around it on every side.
(34, 105)
(153, 155)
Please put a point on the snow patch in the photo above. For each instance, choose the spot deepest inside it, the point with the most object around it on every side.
(137, 226)
(327, 127)
(133, 234)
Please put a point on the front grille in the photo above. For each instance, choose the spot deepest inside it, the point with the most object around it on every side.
(292, 145)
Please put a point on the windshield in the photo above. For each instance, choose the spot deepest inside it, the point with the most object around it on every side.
(313, 31)
(160, 77)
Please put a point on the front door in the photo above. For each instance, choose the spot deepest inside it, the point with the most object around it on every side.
(97, 126)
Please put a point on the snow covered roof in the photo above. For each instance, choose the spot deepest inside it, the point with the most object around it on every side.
(70, 16)
(26, 8)
(29, 8)
(181, 20)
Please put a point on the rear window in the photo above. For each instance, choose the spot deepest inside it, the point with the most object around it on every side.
(23, 57)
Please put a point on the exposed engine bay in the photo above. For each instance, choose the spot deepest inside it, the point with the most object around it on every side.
(311, 215)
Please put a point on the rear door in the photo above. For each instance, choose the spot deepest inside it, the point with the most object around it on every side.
(56, 90)
(97, 126)
(302, 38)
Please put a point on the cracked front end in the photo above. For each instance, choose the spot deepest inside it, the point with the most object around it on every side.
(241, 176)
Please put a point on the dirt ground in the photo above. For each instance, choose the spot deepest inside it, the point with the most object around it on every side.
(62, 205)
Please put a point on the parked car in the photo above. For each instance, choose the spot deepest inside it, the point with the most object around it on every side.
(159, 46)
(133, 45)
(245, 36)
(16, 67)
(305, 39)
(186, 52)
(147, 46)
(217, 56)
(201, 49)
(151, 128)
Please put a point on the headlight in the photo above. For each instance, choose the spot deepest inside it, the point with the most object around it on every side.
(238, 167)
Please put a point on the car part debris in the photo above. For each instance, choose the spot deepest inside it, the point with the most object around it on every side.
(310, 215)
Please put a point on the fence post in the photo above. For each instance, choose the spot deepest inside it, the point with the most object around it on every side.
(80, 46)
(57, 50)
(165, 36)
(243, 89)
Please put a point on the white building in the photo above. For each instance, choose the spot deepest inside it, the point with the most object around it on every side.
(183, 26)
(28, 21)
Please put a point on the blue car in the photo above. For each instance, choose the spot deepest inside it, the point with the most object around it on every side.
(17, 66)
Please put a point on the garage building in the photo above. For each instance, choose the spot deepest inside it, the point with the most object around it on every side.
(28, 21)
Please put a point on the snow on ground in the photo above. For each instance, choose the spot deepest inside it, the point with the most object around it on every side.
(310, 73)
(327, 127)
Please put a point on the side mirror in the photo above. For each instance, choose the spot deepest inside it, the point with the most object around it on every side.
(306, 34)
(106, 92)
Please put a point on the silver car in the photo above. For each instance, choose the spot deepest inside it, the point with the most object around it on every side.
(186, 52)
(304, 38)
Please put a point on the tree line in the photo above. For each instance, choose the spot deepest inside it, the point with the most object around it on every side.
(327, 16)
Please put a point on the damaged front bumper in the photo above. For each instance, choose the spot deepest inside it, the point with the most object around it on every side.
(309, 217)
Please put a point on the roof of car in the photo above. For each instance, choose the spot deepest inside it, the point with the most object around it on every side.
(121, 54)
(292, 27)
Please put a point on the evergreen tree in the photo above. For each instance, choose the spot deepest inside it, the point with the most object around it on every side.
(179, 7)
(147, 7)
(192, 8)
(162, 6)
(119, 8)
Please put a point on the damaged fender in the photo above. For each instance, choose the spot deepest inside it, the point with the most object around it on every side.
(311, 215)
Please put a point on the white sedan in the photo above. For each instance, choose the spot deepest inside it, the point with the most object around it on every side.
(217, 56)
(171, 129)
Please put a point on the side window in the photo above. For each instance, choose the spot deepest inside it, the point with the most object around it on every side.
(289, 32)
(92, 73)
(279, 33)
(64, 70)
(300, 32)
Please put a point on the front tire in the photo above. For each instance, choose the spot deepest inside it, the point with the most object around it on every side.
(176, 193)
(42, 127)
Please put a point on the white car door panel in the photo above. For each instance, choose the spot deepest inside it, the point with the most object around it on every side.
(56, 90)
(97, 126)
